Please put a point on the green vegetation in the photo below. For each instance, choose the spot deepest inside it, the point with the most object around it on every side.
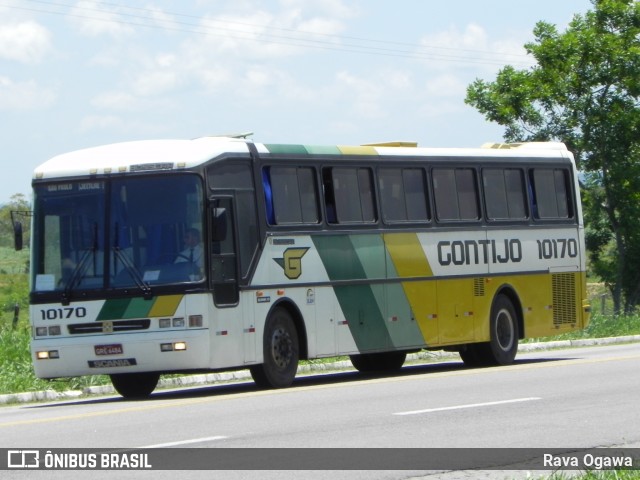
(598, 475)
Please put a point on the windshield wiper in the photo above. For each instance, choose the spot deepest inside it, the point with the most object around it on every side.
(81, 268)
(130, 266)
(133, 271)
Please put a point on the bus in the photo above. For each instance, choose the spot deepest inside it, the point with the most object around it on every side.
(301, 252)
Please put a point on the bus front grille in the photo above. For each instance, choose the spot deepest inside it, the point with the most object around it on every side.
(116, 326)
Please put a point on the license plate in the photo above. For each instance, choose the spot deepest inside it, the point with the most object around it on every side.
(115, 349)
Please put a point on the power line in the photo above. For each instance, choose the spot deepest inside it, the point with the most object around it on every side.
(144, 17)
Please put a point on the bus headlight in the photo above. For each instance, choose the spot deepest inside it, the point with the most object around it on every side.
(47, 354)
(173, 347)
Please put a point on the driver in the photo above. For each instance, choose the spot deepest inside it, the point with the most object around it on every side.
(193, 249)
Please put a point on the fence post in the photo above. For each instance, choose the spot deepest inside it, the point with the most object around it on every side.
(16, 315)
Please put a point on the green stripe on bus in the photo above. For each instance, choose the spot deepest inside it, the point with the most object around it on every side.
(138, 307)
(113, 309)
(286, 149)
(390, 297)
(127, 308)
(358, 302)
(323, 149)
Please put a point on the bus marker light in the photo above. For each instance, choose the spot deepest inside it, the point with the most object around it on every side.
(178, 322)
(280, 292)
(55, 330)
(195, 321)
(41, 331)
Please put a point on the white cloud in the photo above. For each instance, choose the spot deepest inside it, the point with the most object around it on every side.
(332, 8)
(100, 122)
(26, 42)
(470, 48)
(446, 85)
(93, 19)
(156, 82)
(114, 101)
(24, 95)
(364, 94)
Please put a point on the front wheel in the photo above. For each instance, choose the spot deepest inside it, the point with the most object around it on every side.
(135, 385)
(281, 352)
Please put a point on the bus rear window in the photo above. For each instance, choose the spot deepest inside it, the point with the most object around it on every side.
(551, 193)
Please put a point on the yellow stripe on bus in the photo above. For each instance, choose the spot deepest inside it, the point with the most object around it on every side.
(410, 261)
(165, 305)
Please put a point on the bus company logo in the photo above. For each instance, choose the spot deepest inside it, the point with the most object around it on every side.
(23, 459)
(291, 262)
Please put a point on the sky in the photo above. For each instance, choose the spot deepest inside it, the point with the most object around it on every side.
(75, 74)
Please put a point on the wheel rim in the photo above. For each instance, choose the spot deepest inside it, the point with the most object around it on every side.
(281, 348)
(504, 330)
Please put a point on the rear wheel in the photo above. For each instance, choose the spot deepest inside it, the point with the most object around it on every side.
(378, 362)
(502, 347)
(135, 385)
(281, 352)
(504, 332)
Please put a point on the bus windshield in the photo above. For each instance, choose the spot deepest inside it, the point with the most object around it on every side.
(118, 233)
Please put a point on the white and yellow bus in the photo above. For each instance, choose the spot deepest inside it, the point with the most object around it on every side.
(304, 252)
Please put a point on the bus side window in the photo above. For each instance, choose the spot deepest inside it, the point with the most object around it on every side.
(268, 195)
(329, 197)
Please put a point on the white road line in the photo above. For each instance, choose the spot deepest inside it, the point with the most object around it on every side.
(472, 405)
(185, 442)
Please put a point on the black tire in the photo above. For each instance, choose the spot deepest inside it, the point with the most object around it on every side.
(135, 385)
(472, 354)
(281, 352)
(502, 347)
(378, 362)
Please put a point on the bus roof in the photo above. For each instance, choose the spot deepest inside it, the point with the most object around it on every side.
(148, 155)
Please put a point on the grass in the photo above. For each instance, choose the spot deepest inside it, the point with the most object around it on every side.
(598, 475)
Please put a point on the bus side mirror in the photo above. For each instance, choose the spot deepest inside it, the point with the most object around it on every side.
(219, 230)
(17, 233)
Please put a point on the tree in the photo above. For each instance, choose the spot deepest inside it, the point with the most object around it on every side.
(583, 91)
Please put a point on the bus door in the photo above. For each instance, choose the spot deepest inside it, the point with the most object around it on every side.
(224, 264)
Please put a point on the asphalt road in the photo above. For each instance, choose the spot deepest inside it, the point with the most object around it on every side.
(576, 398)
